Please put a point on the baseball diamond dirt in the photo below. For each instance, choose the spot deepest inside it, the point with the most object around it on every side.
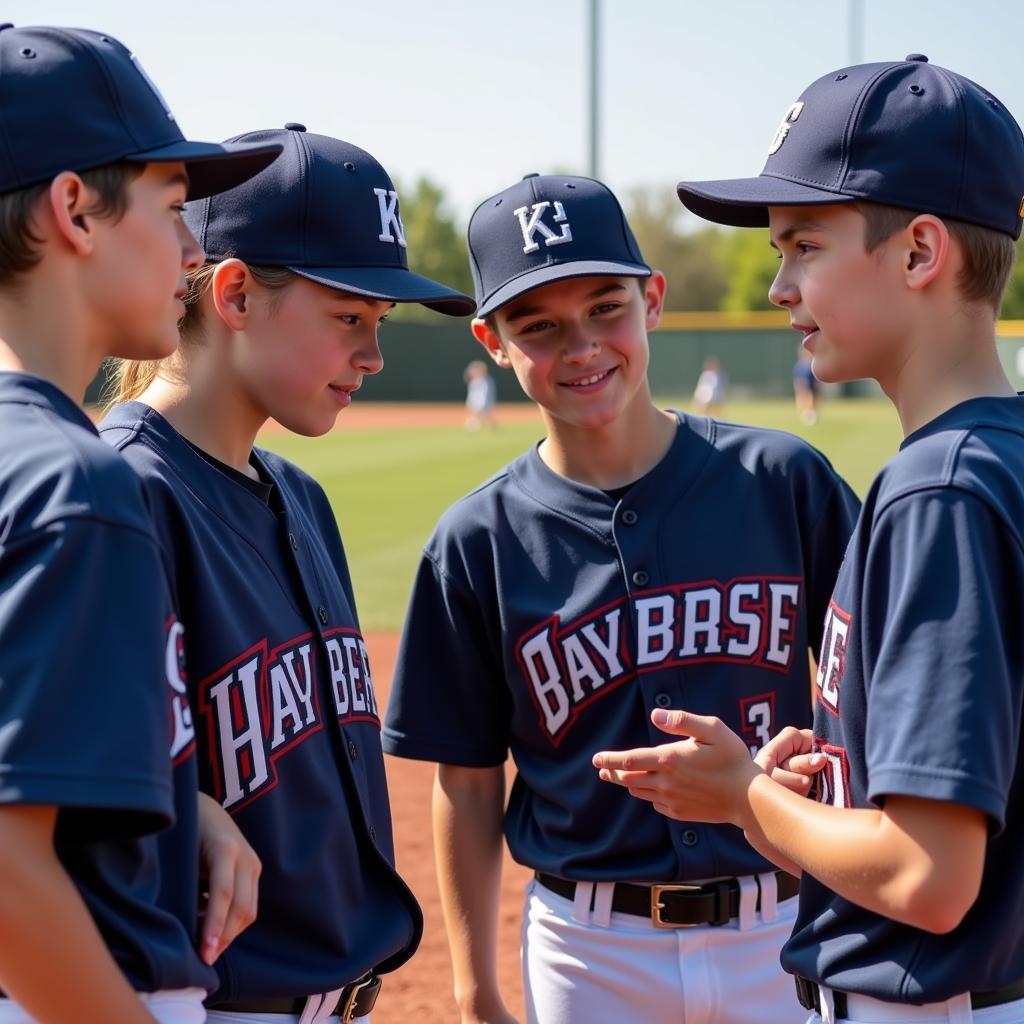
(421, 991)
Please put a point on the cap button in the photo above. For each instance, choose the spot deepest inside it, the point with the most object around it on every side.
(6, 24)
(532, 174)
(919, 57)
(294, 126)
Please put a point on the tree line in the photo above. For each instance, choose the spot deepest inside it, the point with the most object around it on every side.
(708, 268)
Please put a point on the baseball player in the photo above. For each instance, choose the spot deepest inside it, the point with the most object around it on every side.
(92, 264)
(913, 882)
(306, 260)
(633, 557)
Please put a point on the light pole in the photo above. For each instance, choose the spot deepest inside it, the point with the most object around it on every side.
(855, 31)
(593, 162)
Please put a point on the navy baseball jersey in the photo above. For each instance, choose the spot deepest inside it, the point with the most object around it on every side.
(551, 618)
(920, 694)
(287, 722)
(91, 699)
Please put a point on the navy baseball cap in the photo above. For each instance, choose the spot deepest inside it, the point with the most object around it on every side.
(907, 134)
(546, 228)
(72, 99)
(325, 210)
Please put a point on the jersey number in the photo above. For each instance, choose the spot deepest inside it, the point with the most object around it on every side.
(758, 717)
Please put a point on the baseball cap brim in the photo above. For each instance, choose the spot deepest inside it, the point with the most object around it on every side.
(391, 284)
(744, 202)
(212, 167)
(559, 272)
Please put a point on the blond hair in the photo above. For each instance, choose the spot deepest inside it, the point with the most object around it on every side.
(127, 379)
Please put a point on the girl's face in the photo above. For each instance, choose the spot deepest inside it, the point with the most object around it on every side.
(306, 349)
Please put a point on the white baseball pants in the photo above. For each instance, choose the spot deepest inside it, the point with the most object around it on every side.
(865, 1010)
(589, 965)
(181, 1006)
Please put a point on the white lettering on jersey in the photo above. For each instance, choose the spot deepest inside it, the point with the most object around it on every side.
(535, 223)
(654, 639)
(606, 650)
(549, 691)
(834, 778)
(387, 202)
(242, 757)
(832, 662)
(784, 599)
(747, 621)
(260, 706)
(351, 683)
(581, 668)
(183, 730)
(702, 616)
(287, 692)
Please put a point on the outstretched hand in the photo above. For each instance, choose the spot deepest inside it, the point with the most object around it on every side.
(699, 778)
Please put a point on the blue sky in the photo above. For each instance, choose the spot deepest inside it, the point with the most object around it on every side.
(475, 94)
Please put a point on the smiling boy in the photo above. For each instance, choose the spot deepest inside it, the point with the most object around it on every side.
(633, 556)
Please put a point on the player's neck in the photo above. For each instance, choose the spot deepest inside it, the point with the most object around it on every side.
(205, 404)
(46, 337)
(613, 455)
(950, 363)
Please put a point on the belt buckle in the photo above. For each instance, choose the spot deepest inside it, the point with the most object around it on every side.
(657, 906)
(350, 1000)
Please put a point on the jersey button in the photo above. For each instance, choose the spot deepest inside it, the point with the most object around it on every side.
(629, 517)
(640, 578)
(353, 750)
(293, 540)
(322, 612)
(663, 700)
(690, 837)
(373, 833)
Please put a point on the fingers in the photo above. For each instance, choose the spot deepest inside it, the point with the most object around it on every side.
(642, 759)
(233, 879)
(683, 723)
(804, 764)
(623, 778)
(245, 898)
(702, 728)
(792, 781)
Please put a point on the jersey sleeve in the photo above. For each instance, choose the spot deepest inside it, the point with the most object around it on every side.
(449, 702)
(832, 513)
(84, 719)
(942, 604)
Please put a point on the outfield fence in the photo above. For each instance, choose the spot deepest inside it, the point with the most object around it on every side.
(425, 361)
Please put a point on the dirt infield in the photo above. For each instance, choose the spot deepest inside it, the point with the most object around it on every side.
(421, 991)
(399, 415)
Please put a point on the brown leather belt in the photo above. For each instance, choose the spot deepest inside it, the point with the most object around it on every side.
(677, 905)
(356, 1000)
(809, 995)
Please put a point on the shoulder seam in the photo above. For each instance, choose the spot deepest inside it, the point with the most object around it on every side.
(952, 486)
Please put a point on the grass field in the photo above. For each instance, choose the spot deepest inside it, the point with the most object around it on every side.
(389, 486)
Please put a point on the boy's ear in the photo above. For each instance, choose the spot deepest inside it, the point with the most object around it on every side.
(927, 247)
(230, 290)
(488, 337)
(68, 205)
(654, 298)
